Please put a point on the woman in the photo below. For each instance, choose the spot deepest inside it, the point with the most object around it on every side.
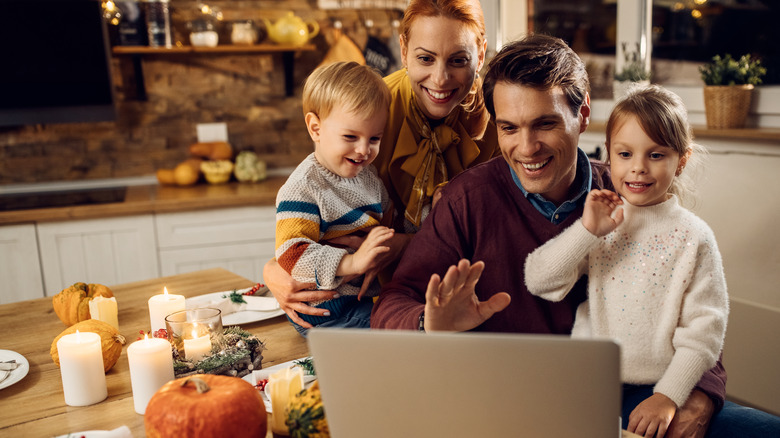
(437, 127)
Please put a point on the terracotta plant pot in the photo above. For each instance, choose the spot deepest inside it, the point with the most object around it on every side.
(727, 106)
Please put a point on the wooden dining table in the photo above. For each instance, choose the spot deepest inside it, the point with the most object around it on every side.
(35, 406)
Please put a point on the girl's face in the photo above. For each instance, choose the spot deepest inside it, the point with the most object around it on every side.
(642, 171)
(344, 142)
(442, 59)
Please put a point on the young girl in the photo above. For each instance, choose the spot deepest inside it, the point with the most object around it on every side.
(655, 276)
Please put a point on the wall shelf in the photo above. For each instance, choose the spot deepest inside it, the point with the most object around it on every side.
(136, 54)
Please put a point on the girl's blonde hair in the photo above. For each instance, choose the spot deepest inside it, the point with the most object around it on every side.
(358, 88)
(664, 118)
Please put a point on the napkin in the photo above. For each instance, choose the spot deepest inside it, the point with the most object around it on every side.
(257, 304)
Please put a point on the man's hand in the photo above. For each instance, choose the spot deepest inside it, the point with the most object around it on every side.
(652, 417)
(452, 305)
(693, 417)
(599, 205)
(293, 295)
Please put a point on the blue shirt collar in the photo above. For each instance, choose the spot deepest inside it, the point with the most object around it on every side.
(557, 214)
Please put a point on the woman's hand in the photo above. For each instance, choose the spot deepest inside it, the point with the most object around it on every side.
(293, 295)
(651, 418)
(597, 215)
(451, 303)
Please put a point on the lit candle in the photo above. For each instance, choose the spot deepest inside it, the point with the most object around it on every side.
(282, 386)
(197, 346)
(163, 305)
(81, 365)
(104, 309)
(151, 366)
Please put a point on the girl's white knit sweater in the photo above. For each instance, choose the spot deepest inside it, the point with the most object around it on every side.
(655, 284)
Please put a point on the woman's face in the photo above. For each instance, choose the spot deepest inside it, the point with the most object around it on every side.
(442, 58)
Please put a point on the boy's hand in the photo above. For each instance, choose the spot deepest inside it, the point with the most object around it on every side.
(651, 418)
(597, 215)
(365, 258)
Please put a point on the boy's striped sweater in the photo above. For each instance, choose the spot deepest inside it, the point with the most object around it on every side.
(316, 205)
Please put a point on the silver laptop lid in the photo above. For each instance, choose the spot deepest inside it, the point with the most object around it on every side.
(383, 383)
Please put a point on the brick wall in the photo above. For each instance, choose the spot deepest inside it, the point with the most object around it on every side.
(245, 91)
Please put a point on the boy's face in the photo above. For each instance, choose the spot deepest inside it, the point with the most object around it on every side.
(538, 136)
(346, 142)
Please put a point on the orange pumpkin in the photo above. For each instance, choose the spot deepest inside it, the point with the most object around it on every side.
(205, 406)
(111, 341)
(72, 303)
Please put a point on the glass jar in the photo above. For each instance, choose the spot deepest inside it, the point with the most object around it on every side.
(244, 32)
(202, 33)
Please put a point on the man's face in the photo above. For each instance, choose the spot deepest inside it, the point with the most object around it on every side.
(538, 136)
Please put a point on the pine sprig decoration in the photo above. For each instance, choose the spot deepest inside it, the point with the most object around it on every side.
(235, 297)
(307, 364)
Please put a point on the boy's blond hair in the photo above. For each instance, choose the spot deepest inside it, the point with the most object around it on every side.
(359, 88)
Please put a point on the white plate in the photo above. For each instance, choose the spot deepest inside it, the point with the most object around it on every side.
(238, 318)
(17, 374)
(255, 376)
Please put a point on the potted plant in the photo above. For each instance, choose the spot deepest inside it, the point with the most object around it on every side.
(728, 87)
(633, 72)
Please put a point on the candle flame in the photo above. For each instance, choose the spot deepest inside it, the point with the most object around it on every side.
(165, 291)
(146, 336)
(78, 337)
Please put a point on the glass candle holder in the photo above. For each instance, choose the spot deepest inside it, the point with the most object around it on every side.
(195, 333)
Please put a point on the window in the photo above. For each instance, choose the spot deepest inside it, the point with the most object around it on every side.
(685, 33)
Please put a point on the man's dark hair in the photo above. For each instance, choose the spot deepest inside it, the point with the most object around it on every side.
(538, 61)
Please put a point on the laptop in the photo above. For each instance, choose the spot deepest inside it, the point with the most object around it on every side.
(390, 383)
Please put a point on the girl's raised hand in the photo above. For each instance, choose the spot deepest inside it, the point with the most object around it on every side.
(597, 216)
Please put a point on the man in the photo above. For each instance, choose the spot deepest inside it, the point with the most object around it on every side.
(495, 214)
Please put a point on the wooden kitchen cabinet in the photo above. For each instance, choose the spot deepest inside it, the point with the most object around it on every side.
(106, 251)
(20, 268)
(240, 240)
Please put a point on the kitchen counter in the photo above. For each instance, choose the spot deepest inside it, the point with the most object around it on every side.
(147, 199)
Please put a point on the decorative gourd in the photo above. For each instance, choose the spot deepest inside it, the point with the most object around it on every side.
(305, 414)
(217, 171)
(249, 168)
(213, 150)
(111, 341)
(72, 303)
(204, 406)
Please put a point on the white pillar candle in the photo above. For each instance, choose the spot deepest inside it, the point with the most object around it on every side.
(281, 387)
(81, 365)
(151, 366)
(197, 346)
(163, 305)
(104, 309)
